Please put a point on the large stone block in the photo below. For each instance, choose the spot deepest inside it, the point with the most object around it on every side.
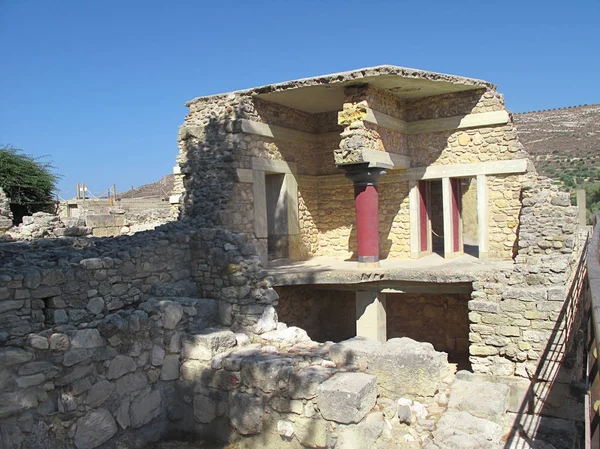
(145, 408)
(355, 351)
(10, 356)
(347, 397)
(246, 413)
(95, 428)
(265, 371)
(87, 338)
(481, 399)
(205, 345)
(303, 384)
(405, 367)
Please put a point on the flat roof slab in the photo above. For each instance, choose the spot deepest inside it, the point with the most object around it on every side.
(326, 92)
(430, 269)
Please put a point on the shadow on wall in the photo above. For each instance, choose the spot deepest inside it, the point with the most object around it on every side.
(557, 385)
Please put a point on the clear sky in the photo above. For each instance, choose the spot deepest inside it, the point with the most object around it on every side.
(100, 86)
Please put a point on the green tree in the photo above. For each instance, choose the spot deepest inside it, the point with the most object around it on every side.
(29, 182)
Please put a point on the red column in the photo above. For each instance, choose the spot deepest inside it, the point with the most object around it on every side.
(366, 203)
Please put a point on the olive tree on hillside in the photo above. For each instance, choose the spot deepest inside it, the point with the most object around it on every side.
(29, 182)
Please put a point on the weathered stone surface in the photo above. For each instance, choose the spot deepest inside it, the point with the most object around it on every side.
(10, 436)
(347, 397)
(286, 337)
(205, 408)
(130, 383)
(10, 356)
(95, 428)
(145, 408)
(363, 434)
(245, 413)
(457, 427)
(173, 312)
(13, 403)
(120, 366)
(87, 338)
(312, 432)
(265, 371)
(406, 367)
(267, 321)
(99, 393)
(303, 384)
(481, 399)
(204, 346)
(355, 351)
(170, 367)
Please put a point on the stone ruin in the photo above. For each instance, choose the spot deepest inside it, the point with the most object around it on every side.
(475, 263)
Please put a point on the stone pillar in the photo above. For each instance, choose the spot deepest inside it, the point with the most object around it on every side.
(371, 315)
(366, 203)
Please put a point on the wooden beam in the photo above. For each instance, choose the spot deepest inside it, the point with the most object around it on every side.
(273, 166)
(459, 122)
(511, 166)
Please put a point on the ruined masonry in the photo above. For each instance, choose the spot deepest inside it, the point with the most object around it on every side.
(431, 284)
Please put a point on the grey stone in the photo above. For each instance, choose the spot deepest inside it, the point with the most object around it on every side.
(74, 356)
(173, 313)
(205, 409)
(66, 402)
(453, 424)
(99, 393)
(267, 321)
(10, 436)
(120, 366)
(170, 367)
(6, 306)
(36, 367)
(286, 337)
(95, 428)
(312, 432)
(10, 356)
(481, 399)
(145, 408)
(87, 338)
(347, 397)
(122, 414)
(29, 381)
(38, 342)
(207, 344)
(265, 371)
(92, 264)
(362, 435)
(95, 305)
(59, 342)
(355, 351)
(405, 367)
(245, 413)
(158, 356)
(303, 384)
(130, 383)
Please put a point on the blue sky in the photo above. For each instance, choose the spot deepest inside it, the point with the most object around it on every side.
(99, 86)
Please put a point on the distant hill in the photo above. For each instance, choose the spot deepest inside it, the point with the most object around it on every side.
(564, 143)
(159, 189)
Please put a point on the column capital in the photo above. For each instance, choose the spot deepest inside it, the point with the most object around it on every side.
(362, 174)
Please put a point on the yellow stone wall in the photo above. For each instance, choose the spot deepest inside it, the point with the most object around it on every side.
(504, 206)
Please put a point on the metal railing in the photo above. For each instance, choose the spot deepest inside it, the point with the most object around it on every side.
(592, 423)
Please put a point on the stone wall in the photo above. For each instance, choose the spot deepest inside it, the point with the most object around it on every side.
(325, 314)
(6, 215)
(439, 319)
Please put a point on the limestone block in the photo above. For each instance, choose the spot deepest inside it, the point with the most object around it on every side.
(205, 345)
(303, 384)
(10, 436)
(286, 337)
(461, 429)
(145, 408)
(361, 435)
(173, 312)
(347, 397)
(95, 428)
(130, 383)
(267, 321)
(312, 432)
(355, 351)
(265, 371)
(245, 413)
(407, 367)
(481, 399)
(205, 409)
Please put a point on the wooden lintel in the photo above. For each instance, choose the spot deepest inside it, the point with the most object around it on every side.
(514, 166)
(273, 166)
